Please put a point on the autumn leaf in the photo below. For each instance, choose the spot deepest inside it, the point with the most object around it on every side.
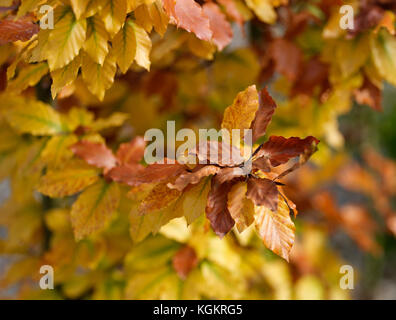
(240, 208)
(276, 229)
(71, 179)
(242, 112)
(383, 46)
(94, 208)
(65, 41)
(96, 44)
(157, 172)
(65, 76)
(28, 77)
(193, 177)
(37, 118)
(188, 14)
(222, 32)
(266, 109)
(132, 152)
(159, 197)
(132, 44)
(98, 77)
(280, 150)
(184, 261)
(14, 30)
(95, 154)
(113, 14)
(194, 200)
(263, 192)
(217, 209)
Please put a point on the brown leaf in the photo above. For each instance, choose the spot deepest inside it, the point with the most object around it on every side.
(184, 261)
(193, 177)
(222, 32)
(153, 173)
(220, 153)
(217, 209)
(263, 192)
(125, 173)
(280, 150)
(314, 73)
(95, 154)
(240, 208)
(264, 114)
(227, 174)
(303, 158)
(262, 164)
(132, 152)
(11, 31)
(370, 95)
(188, 14)
(288, 58)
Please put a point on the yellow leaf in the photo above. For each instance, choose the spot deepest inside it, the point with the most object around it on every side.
(276, 229)
(27, 6)
(98, 78)
(65, 41)
(194, 200)
(152, 15)
(28, 77)
(64, 76)
(73, 178)
(263, 9)
(132, 43)
(202, 49)
(94, 208)
(96, 45)
(79, 6)
(57, 151)
(58, 220)
(141, 225)
(243, 110)
(240, 208)
(113, 15)
(36, 118)
(383, 47)
(158, 198)
(115, 120)
(78, 117)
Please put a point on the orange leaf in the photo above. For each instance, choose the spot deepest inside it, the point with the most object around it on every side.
(184, 261)
(95, 154)
(188, 14)
(222, 32)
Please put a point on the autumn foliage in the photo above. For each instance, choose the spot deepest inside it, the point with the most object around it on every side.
(80, 195)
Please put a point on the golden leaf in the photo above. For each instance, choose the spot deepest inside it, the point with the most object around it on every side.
(28, 77)
(243, 110)
(64, 76)
(276, 229)
(65, 41)
(240, 208)
(96, 45)
(94, 208)
(263, 9)
(36, 118)
(113, 14)
(73, 178)
(132, 44)
(98, 78)
(383, 48)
